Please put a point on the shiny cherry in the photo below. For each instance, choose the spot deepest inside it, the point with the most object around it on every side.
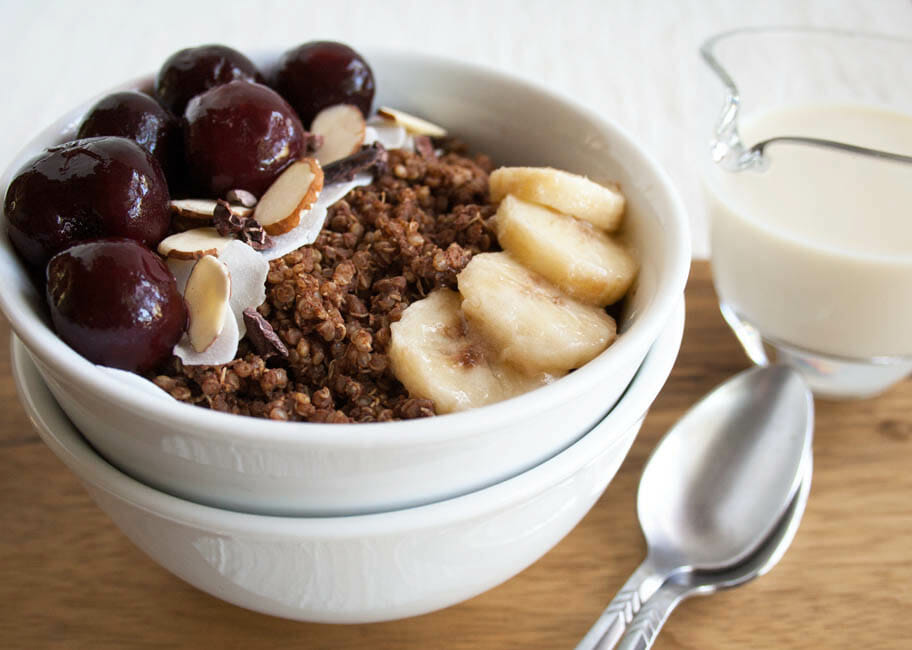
(115, 303)
(318, 74)
(239, 135)
(97, 187)
(137, 116)
(194, 70)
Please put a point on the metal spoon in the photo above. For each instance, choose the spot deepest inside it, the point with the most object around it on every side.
(644, 629)
(716, 485)
(752, 158)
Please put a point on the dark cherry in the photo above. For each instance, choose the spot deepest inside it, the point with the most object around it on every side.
(115, 303)
(137, 116)
(240, 135)
(318, 74)
(97, 187)
(194, 70)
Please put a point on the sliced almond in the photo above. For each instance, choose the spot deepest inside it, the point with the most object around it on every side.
(342, 127)
(294, 191)
(241, 198)
(222, 350)
(207, 294)
(193, 244)
(203, 209)
(412, 124)
(311, 223)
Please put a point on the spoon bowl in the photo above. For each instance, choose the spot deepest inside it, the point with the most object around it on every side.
(646, 625)
(717, 485)
(718, 482)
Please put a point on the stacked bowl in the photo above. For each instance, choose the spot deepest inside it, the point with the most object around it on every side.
(366, 522)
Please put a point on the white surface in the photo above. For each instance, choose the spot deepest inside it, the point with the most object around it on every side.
(634, 61)
(281, 467)
(366, 568)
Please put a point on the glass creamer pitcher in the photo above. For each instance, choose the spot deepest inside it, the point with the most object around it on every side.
(811, 234)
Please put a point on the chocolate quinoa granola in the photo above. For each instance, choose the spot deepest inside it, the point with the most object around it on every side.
(332, 302)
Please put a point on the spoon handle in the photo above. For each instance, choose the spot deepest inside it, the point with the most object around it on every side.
(644, 629)
(610, 626)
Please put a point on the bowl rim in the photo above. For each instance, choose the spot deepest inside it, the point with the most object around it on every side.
(65, 441)
(228, 428)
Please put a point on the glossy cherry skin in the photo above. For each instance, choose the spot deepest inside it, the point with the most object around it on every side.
(194, 70)
(115, 303)
(318, 74)
(239, 135)
(137, 116)
(97, 187)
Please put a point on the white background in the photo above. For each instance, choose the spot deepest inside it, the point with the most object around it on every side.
(633, 61)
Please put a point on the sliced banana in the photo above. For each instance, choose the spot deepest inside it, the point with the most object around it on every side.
(437, 356)
(580, 259)
(600, 205)
(533, 324)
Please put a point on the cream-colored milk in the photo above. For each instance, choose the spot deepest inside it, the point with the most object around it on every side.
(817, 250)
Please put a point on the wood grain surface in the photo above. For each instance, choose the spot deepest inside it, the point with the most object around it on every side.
(70, 579)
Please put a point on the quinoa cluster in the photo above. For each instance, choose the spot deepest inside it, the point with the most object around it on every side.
(331, 303)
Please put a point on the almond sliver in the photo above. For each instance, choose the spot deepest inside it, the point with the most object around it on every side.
(193, 244)
(342, 127)
(207, 294)
(203, 209)
(412, 124)
(295, 190)
(311, 223)
(221, 350)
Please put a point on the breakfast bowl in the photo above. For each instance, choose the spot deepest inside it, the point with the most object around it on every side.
(361, 568)
(283, 468)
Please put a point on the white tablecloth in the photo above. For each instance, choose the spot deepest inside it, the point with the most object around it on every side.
(633, 61)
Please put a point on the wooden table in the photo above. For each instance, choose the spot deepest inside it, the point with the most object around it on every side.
(69, 579)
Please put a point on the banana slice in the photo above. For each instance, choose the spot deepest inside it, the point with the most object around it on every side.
(438, 357)
(578, 258)
(533, 323)
(600, 205)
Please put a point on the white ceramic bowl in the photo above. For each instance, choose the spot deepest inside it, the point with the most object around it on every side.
(311, 469)
(368, 567)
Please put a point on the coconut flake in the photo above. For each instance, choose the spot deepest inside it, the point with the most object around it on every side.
(221, 350)
(180, 269)
(388, 133)
(248, 270)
